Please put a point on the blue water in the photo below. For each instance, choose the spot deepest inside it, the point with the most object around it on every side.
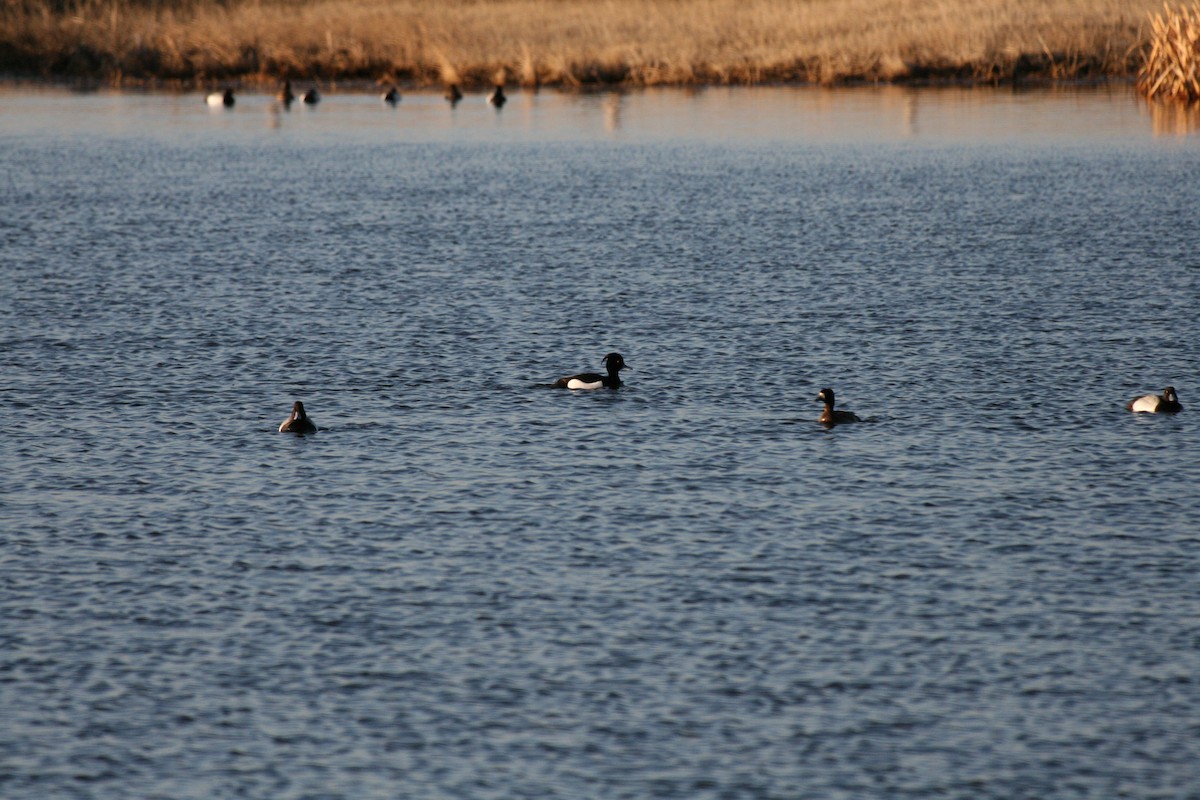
(468, 585)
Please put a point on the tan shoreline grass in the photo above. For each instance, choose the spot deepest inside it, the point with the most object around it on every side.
(574, 42)
(1172, 67)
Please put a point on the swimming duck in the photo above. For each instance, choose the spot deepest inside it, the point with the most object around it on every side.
(1167, 403)
(391, 96)
(298, 422)
(224, 98)
(453, 94)
(285, 95)
(829, 416)
(497, 97)
(311, 97)
(592, 380)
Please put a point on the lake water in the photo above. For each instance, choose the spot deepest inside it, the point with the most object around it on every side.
(469, 585)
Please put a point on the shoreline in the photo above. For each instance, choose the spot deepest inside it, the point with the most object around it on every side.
(355, 83)
(575, 44)
(366, 86)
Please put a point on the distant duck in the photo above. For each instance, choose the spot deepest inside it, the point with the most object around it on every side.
(298, 422)
(453, 94)
(1167, 403)
(829, 416)
(224, 98)
(592, 380)
(392, 96)
(497, 97)
(285, 95)
(311, 97)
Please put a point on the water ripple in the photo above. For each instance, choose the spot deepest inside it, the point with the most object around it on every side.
(469, 585)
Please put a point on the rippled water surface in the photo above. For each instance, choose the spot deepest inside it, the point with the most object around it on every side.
(469, 585)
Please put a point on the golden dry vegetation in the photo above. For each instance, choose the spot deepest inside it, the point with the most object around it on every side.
(1172, 65)
(574, 42)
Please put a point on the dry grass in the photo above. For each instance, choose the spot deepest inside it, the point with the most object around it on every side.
(1172, 67)
(574, 42)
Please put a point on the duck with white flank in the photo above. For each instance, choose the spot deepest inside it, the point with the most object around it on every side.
(391, 96)
(1166, 403)
(224, 98)
(311, 97)
(593, 380)
(298, 422)
(830, 416)
(497, 97)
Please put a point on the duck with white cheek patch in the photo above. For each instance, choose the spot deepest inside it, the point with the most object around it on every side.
(831, 416)
(298, 422)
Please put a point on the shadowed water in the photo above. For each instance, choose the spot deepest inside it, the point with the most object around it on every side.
(468, 585)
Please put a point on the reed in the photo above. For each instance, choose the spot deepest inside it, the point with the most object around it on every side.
(573, 42)
(1172, 66)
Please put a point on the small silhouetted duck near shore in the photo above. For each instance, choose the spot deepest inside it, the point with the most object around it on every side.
(453, 94)
(285, 95)
(391, 96)
(594, 380)
(224, 98)
(298, 422)
(831, 416)
(497, 97)
(311, 97)
(1166, 403)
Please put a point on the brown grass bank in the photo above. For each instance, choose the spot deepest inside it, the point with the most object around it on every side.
(574, 42)
(1172, 66)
